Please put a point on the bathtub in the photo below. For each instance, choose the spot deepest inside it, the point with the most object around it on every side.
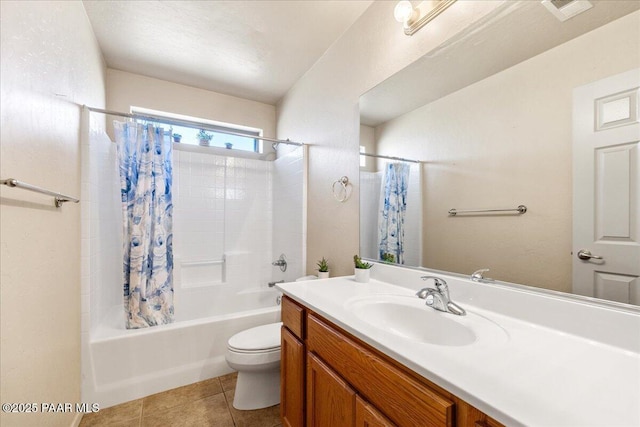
(129, 364)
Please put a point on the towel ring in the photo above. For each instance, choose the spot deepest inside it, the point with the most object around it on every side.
(343, 192)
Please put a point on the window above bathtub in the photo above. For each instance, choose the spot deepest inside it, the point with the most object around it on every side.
(218, 134)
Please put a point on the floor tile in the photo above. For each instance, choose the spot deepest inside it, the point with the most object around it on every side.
(229, 381)
(208, 412)
(267, 417)
(123, 415)
(202, 404)
(180, 396)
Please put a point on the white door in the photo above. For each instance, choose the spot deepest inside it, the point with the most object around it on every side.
(606, 189)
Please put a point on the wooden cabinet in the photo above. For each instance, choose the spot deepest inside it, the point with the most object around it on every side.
(468, 416)
(404, 400)
(368, 416)
(293, 316)
(330, 400)
(292, 365)
(349, 383)
(292, 375)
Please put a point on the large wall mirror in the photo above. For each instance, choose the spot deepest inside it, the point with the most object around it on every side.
(487, 122)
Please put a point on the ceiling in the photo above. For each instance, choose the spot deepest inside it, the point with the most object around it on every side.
(251, 49)
(512, 33)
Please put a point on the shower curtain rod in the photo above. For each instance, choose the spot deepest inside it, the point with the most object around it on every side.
(189, 123)
(380, 156)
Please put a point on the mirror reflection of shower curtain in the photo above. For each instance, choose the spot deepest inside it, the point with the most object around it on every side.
(391, 218)
(144, 162)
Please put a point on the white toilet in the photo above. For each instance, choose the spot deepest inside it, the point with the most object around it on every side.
(255, 354)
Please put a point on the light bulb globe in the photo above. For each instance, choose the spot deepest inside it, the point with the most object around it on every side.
(403, 11)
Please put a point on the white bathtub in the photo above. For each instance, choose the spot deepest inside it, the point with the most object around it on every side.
(129, 364)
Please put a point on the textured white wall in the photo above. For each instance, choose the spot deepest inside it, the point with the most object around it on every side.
(322, 109)
(515, 124)
(125, 90)
(51, 64)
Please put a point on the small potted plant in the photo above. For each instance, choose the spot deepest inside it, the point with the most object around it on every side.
(388, 257)
(204, 137)
(362, 269)
(323, 269)
(177, 137)
(228, 145)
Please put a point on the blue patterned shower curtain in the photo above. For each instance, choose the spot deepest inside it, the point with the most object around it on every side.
(144, 162)
(392, 211)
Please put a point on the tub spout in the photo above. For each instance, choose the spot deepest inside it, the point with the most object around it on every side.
(272, 284)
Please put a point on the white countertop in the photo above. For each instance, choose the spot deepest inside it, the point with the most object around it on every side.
(579, 365)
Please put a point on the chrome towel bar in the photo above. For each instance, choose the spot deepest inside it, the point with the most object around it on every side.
(519, 210)
(59, 198)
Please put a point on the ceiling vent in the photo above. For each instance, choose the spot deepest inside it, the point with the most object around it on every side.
(566, 9)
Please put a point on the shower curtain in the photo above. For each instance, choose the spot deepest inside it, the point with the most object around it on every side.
(393, 207)
(144, 163)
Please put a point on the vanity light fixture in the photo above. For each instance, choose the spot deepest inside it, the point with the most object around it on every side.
(415, 18)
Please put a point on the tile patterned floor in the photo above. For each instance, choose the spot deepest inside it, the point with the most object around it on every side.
(204, 404)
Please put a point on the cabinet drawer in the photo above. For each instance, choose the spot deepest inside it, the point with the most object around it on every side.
(368, 416)
(406, 401)
(293, 317)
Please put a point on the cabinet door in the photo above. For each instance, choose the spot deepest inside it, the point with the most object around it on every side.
(291, 380)
(368, 416)
(330, 400)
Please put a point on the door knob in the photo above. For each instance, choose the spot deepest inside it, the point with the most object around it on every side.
(585, 254)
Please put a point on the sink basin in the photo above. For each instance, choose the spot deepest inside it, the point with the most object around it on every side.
(410, 318)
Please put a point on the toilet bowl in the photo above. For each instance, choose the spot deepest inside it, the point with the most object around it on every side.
(255, 354)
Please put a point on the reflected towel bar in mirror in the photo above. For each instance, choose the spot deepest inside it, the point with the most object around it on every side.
(519, 210)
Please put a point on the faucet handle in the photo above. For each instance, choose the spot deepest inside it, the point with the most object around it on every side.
(437, 280)
(478, 275)
(440, 283)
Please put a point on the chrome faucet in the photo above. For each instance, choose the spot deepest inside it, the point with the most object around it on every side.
(439, 298)
(478, 276)
(281, 262)
(272, 284)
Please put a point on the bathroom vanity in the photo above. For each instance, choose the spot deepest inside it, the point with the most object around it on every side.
(374, 354)
(351, 383)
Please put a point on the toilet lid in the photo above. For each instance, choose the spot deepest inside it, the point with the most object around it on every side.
(265, 337)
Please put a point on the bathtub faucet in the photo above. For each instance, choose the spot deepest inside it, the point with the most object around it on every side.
(281, 262)
(272, 284)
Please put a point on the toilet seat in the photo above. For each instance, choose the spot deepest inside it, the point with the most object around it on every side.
(261, 339)
(235, 350)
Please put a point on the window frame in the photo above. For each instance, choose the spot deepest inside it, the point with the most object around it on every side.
(213, 126)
